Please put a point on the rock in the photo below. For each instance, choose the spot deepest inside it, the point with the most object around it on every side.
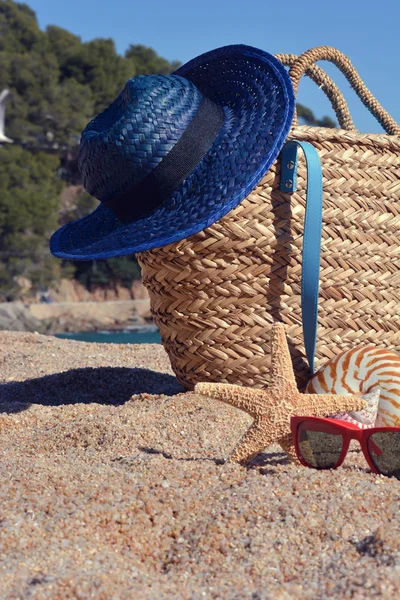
(14, 316)
(25, 286)
(139, 292)
(70, 290)
(59, 317)
(91, 316)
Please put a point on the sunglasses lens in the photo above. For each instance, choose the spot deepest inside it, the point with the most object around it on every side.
(384, 450)
(319, 449)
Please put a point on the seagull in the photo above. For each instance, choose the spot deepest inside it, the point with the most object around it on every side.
(3, 97)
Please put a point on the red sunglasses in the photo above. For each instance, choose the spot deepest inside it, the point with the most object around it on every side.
(323, 444)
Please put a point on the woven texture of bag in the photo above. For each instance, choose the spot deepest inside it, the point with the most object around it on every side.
(215, 295)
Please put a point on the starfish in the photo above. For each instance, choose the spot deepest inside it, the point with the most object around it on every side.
(272, 408)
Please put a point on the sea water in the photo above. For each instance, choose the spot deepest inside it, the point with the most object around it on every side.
(126, 336)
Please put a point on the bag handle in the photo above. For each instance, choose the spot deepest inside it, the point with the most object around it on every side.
(330, 88)
(311, 253)
(344, 64)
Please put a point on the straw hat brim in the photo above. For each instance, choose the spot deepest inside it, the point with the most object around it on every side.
(256, 92)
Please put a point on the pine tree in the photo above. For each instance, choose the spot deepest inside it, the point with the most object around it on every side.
(29, 202)
(58, 83)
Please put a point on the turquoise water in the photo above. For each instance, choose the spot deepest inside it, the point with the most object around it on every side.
(134, 336)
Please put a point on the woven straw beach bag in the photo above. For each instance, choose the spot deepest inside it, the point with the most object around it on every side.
(215, 295)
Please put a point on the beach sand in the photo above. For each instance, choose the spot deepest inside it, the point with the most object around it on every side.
(113, 487)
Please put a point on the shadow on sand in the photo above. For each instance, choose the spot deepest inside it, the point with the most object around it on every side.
(102, 385)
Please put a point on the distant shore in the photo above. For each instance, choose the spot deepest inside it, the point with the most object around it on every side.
(64, 317)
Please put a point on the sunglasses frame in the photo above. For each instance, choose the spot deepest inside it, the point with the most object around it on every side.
(348, 431)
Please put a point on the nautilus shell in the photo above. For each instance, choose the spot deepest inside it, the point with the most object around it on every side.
(368, 371)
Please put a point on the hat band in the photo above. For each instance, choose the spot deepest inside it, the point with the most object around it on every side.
(174, 168)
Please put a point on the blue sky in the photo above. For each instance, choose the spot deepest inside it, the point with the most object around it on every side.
(366, 30)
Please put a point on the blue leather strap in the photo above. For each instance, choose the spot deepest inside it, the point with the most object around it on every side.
(311, 256)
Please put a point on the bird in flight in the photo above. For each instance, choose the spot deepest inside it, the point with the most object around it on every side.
(3, 97)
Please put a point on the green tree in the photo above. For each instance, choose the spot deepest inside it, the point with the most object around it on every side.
(97, 65)
(146, 61)
(307, 115)
(64, 123)
(19, 31)
(26, 68)
(29, 202)
(108, 273)
(58, 83)
(63, 45)
(33, 77)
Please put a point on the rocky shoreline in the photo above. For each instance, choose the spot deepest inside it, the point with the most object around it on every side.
(65, 317)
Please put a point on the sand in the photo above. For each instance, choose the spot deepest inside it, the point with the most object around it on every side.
(113, 486)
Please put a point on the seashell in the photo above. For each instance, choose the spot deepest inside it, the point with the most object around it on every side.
(364, 370)
(364, 419)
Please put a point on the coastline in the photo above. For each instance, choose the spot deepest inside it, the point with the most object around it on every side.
(64, 317)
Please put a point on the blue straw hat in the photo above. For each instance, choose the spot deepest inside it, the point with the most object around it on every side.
(175, 153)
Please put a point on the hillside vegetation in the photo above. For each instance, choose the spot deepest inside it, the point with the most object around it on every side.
(58, 83)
